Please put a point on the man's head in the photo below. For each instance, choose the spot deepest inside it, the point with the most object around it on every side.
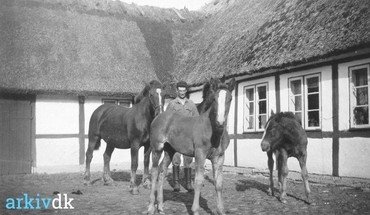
(182, 89)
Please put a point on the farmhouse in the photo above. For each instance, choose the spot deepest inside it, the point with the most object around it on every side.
(59, 60)
(308, 57)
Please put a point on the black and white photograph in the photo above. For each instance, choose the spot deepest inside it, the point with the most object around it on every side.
(184, 107)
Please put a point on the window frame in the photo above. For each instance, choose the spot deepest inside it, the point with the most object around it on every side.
(256, 112)
(117, 101)
(304, 99)
(306, 123)
(302, 96)
(352, 98)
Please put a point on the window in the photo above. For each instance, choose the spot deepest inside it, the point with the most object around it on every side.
(123, 102)
(359, 96)
(255, 107)
(304, 100)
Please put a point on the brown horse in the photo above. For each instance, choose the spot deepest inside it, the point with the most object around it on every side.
(285, 137)
(203, 137)
(125, 128)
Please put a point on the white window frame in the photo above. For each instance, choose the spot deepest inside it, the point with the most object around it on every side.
(306, 102)
(352, 103)
(291, 96)
(304, 99)
(256, 113)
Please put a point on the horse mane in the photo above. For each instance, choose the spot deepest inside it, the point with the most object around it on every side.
(279, 116)
(206, 89)
(145, 91)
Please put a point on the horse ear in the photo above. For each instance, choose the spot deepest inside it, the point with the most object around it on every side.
(272, 112)
(231, 85)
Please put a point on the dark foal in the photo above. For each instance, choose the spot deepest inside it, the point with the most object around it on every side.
(285, 137)
(125, 128)
(203, 137)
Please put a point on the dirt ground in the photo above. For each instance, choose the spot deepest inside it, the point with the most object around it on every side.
(245, 192)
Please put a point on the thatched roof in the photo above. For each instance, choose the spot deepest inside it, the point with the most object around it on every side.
(249, 36)
(86, 46)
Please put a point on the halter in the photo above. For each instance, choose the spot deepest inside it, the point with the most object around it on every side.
(160, 103)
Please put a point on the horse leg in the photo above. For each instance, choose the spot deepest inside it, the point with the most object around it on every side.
(145, 180)
(163, 167)
(304, 174)
(270, 163)
(134, 164)
(200, 160)
(156, 155)
(89, 155)
(282, 174)
(106, 171)
(217, 164)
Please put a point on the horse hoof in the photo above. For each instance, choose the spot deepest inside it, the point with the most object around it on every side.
(270, 192)
(220, 212)
(283, 201)
(87, 182)
(146, 184)
(135, 191)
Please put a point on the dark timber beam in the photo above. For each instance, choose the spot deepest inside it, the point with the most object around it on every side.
(335, 120)
(236, 125)
(81, 134)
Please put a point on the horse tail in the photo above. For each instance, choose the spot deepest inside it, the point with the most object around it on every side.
(97, 145)
(94, 131)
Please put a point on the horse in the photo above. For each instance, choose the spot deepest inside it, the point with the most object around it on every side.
(125, 128)
(285, 137)
(203, 137)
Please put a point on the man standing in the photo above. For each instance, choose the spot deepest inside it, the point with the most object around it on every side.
(184, 106)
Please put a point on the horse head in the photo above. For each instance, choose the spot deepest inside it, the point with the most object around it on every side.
(221, 100)
(155, 94)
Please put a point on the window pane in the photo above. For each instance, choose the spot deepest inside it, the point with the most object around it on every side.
(262, 107)
(313, 119)
(250, 94)
(109, 101)
(250, 122)
(298, 116)
(362, 96)
(359, 77)
(262, 92)
(361, 115)
(251, 108)
(313, 101)
(124, 103)
(313, 84)
(295, 87)
(297, 103)
(262, 121)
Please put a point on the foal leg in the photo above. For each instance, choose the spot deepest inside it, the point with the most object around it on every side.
(134, 163)
(163, 167)
(200, 160)
(145, 180)
(304, 174)
(89, 156)
(270, 163)
(156, 155)
(106, 171)
(282, 174)
(217, 164)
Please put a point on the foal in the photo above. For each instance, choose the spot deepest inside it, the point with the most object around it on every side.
(202, 137)
(125, 128)
(285, 137)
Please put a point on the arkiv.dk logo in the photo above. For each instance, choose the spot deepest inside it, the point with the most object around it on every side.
(26, 202)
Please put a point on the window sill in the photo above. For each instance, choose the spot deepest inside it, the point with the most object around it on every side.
(360, 129)
(253, 132)
(313, 130)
